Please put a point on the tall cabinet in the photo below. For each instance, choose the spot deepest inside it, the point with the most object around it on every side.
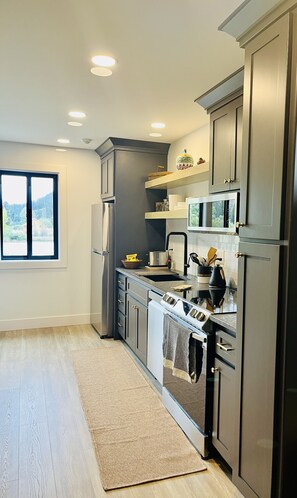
(266, 370)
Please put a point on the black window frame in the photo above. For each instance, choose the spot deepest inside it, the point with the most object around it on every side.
(29, 175)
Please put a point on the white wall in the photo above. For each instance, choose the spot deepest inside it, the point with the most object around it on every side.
(197, 144)
(54, 296)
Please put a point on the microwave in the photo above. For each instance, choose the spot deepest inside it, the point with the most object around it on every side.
(215, 213)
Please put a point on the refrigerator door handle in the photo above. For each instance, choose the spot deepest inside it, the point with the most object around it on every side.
(101, 253)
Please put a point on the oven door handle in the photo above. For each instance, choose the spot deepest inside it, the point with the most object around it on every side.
(198, 337)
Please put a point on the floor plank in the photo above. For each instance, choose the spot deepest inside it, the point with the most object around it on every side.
(9, 435)
(45, 446)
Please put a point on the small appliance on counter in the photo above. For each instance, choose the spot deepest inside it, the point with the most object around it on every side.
(217, 278)
(158, 258)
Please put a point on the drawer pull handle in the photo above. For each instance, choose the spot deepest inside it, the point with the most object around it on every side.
(119, 324)
(224, 347)
(120, 282)
(239, 254)
(214, 369)
(239, 224)
(134, 307)
(120, 302)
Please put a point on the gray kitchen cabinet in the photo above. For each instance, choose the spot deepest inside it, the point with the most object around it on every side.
(256, 368)
(136, 332)
(107, 177)
(121, 305)
(223, 410)
(226, 146)
(264, 124)
(224, 394)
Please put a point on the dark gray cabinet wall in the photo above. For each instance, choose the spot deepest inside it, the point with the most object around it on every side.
(125, 167)
(265, 110)
(266, 375)
(225, 146)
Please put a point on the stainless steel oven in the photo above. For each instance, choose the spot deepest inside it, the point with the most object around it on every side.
(191, 403)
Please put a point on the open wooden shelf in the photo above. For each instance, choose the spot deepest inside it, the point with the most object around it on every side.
(167, 215)
(194, 174)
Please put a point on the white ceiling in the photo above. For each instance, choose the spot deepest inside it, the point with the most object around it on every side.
(169, 52)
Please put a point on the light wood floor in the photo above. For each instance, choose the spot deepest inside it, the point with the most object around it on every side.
(45, 446)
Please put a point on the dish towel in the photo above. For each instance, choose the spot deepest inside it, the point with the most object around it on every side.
(180, 351)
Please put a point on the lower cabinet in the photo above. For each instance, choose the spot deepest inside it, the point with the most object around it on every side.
(223, 410)
(224, 394)
(136, 330)
(132, 315)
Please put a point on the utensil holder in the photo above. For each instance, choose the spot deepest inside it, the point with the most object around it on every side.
(204, 274)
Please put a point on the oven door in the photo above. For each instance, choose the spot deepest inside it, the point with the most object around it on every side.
(191, 397)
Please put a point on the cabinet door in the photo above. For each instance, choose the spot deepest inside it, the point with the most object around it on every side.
(235, 172)
(107, 177)
(136, 331)
(255, 368)
(223, 410)
(121, 325)
(141, 332)
(225, 146)
(221, 143)
(264, 126)
(131, 323)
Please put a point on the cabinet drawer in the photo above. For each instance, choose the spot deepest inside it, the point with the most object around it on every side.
(121, 281)
(139, 292)
(122, 301)
(121, 325)
(225, 346)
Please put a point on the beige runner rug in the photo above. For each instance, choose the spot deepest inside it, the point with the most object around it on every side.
(135, 438)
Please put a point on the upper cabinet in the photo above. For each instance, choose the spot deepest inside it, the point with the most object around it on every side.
(107, 177)
(226, 147)
(264, 131)
(224, 103)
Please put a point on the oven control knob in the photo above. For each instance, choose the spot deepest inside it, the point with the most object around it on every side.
(200, 316)
(170, 300)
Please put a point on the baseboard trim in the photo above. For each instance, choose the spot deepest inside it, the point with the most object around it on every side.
(45, 321)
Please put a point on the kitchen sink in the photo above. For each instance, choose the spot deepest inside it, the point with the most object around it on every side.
(162, 278)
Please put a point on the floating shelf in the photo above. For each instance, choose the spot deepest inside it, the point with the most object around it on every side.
(194, 174)
(166, 215)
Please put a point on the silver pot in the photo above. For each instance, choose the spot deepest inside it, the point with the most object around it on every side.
(158, 258)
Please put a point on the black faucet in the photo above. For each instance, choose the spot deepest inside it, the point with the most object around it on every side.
(186, 266)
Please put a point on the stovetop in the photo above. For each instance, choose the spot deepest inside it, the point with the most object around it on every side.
(214, 300)
(197, 305)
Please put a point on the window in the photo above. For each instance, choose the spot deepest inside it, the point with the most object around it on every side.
(28, 215)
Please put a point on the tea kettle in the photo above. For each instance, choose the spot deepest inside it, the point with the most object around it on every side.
(217, 278)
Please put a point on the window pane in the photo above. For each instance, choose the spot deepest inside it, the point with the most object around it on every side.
(42, 216)
(14, 200)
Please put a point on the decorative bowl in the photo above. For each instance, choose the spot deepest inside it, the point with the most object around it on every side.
(131, 264)
(184, 161)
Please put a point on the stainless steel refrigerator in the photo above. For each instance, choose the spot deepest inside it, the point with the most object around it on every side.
(102, 268)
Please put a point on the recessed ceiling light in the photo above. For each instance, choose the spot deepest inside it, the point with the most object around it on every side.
(77, 114)
(158, 125)
(61, 150)
(155, 134)
(103, 60)
(101, 71)
(74, 123)
(63, 141)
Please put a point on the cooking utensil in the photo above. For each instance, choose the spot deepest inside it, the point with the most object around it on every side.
(195, 258)
(210, 255)
(213, 260)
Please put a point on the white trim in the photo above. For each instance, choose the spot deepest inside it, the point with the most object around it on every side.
(45, 321)
(62, 222)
